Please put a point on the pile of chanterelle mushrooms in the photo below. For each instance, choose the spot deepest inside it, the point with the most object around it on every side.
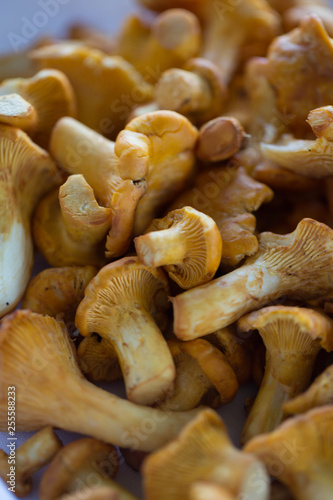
(177, 178)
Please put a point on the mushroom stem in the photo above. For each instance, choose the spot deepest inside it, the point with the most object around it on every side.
(162, 248)
(137, 337)
(183, 91)
(267, 410)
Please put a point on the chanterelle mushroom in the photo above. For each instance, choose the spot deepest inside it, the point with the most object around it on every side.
(196, 90)
(98, 359)
(319, 393)
(203, 375)
(82, 463)
(296, 265)
(38, 359)
(172, 140)
(58, 291)
(50, 95)
(299, 453)
(186, 242)
(120, 304)
(312, 158)
(114, 170)
(31, 456)
(219, 139)
(168, 42)
(203, 452)
(26, 174)
(103, 84)
(293, 337)
(228, 196)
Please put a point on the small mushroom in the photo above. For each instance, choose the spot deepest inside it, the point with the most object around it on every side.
(172, 141)
(114, 170)
(299, 453)
(85, 463)
(69, 226)
(26, 173)
(106, 87)
(203, 375)
(119, 305)
(50, 95)
(30, 457)
(39, 360)
(98, 359)
(228, 196)
(167, 42)
(295, 265)
(293, 337)
(319, 393)
(57, 291)
(196, 90)
(219, 139)
(203, 452)
(187, 243)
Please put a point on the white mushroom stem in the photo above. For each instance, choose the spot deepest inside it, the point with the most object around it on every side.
(162, 248)
(291, 265)
(135, 336)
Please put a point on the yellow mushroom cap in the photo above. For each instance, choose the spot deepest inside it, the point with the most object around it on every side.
(186, 242)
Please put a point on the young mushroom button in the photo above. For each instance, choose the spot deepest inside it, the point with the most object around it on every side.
(187, 243)
(293, 337)
(120, 304)
(297, 265)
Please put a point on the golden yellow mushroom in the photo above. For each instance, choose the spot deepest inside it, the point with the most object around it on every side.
(120, 304)
(293, 337)
(296, 265)
(85, 463)
(98, 359)
(31, 456)
(38, 359)
(186, 242)
(299, 453)
(26, 173)
(203, 452)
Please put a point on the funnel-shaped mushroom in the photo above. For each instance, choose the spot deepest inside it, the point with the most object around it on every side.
(31, 456)
(84, 463)
(98, 359)
(26, 174)
(296, 265)
(219, 139)
(203, 452)
(168, 42)
(203, 374)
(186, 242)
(319, 393)
(228, 196)
(299, 66)
(104, 165)
(120, 304)
(172, 140)
(196, 91)
(50, 95)
(58, 291)
(293, 337)
(313, 158)
(299, 453)
(70, 227)
(38, 359)
(100, 82)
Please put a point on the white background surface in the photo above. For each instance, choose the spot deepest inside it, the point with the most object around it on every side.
(16, 16)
